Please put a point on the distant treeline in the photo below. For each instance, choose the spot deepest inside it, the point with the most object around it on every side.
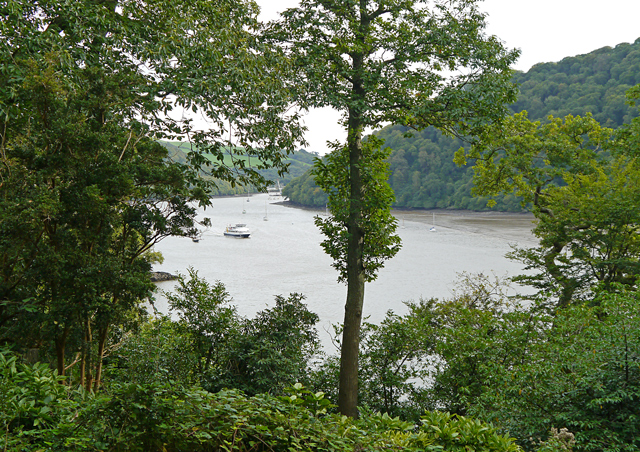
(422, 172)
(299, 163)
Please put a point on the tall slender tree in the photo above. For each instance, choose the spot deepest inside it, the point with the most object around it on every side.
(410, 62)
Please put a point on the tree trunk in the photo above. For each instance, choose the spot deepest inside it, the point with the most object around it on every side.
(348, 389)
(104, 332)
(86, 358)
(60, 356)
(61, 343)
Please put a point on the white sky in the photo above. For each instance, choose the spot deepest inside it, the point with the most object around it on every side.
(544, 31)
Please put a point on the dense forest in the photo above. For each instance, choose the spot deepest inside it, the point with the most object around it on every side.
(422, 172)
(593, 83)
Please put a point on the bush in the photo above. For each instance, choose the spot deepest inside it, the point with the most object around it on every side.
(211, 345)
(149, 418)
(32, 400)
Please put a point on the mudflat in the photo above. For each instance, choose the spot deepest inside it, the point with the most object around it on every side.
(508, 225)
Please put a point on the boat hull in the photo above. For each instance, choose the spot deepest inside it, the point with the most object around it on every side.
(240, 235)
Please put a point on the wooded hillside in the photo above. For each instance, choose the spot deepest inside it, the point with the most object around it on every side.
(422, 172)
(299, 162)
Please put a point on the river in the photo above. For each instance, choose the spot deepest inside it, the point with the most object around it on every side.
(283, 255)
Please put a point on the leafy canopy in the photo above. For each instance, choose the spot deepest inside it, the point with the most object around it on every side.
(380, 242)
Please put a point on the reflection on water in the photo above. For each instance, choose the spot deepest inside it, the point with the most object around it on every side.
(283, 255)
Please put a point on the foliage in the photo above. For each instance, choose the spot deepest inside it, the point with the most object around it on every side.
(205, 317)
(479, 324)
(154, 417)
(209, 344)
(591, 240)
(303, 190)
(378, 226)
(457, 433)
(593, 83)
(422, 174)
(32, 398)
(160, 352)
(528, 371)
(393, 367)
(273, 350)
(584, 201)
(627, 137)
(558, 441)
(430, 357)
(86, 90)
(297, 163)
(529, 157)
(581, 371)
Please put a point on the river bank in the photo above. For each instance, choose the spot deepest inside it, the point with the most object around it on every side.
(510, 226)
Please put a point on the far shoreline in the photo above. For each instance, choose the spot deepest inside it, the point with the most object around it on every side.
(511, 225)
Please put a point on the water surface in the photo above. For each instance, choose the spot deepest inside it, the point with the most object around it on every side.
(283, 255)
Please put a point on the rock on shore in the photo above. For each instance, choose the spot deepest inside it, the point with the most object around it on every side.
(162, 276)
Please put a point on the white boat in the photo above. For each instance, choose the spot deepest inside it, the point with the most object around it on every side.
(275, 191)
(240, 230)
(433, 223)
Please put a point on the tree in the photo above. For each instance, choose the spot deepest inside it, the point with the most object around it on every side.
(409, 62)
(586, 202)
(271, 351)
(579, 370)
(590, 241)
(527, 370)
(86, 90)
(394, 366)
(210, 345)
(205, 316)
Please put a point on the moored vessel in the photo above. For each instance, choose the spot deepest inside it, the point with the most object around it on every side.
(240, 230)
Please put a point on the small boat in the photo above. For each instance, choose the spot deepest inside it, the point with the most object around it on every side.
(275, 192)
(197, 236)
(433, 222)
(240, 230)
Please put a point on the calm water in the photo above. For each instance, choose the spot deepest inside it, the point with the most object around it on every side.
(283, 256)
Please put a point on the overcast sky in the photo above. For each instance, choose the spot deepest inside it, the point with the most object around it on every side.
(544, 31)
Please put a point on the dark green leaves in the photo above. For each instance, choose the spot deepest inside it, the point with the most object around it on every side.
(86, 90)
(377, 223)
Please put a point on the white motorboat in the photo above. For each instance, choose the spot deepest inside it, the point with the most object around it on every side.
(240, 230)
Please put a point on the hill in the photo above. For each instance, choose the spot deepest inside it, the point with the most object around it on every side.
(422, 173)
(299, 163)
(593, 83)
